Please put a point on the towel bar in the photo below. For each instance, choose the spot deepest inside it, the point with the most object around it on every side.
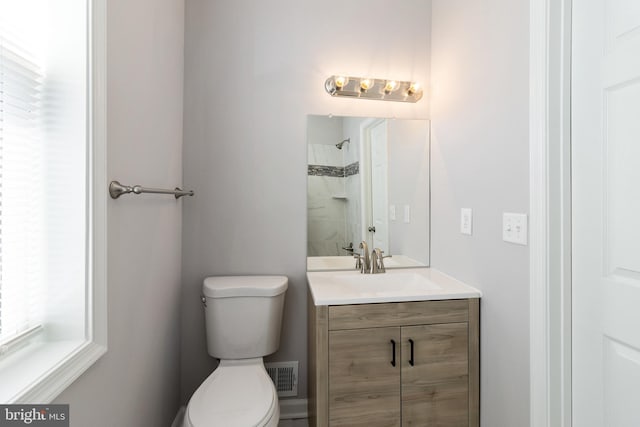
(116, 190)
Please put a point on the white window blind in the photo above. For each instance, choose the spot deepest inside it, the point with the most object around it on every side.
(22, 207)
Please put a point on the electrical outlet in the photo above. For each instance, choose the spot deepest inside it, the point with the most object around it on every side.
(466, 221)
(514, 228)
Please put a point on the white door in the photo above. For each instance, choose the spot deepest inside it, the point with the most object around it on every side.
(606, 213)
(379, 186)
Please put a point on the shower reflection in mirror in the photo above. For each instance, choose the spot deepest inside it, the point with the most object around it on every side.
(368, 180)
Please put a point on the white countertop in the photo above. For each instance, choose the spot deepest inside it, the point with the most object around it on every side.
(408, 284)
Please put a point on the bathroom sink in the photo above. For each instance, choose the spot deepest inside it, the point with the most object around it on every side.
(411, 284)
(385, 283)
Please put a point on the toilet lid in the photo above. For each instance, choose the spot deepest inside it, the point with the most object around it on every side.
(244, 286)
(233, 396)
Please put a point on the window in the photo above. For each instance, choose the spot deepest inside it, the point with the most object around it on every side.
(52, 195)
(21, 167)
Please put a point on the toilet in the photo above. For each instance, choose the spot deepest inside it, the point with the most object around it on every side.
(243, 318)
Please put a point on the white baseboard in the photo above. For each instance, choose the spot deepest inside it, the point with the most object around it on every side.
(177, 421)
(293, 409)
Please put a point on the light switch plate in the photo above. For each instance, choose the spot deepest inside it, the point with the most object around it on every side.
(392, 212)
(466, 221)
(407, 214)
(514, 228)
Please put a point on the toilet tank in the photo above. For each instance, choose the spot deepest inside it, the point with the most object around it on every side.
(243, 315)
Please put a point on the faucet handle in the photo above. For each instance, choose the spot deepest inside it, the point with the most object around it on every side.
(358, 258)
(382, 262)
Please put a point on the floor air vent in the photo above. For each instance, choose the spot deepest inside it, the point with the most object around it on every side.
(285, 377)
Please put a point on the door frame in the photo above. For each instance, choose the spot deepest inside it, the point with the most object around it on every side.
(550, 212)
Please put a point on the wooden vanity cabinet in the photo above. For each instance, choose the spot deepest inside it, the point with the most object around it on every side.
(394, 364)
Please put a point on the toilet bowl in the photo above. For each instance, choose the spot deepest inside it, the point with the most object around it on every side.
(243, 318)
(236, 394)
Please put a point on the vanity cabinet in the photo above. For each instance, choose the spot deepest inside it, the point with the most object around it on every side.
(394, 364)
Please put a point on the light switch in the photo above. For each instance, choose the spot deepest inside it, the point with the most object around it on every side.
(407, 214)
(392, 212)
(514, 228)
(466, 221)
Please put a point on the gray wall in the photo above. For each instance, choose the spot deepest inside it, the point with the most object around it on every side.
(480, 160)
(136, 383)
(253, 71)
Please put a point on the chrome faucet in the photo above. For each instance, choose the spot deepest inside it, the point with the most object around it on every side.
(363, 263)
(373, 265)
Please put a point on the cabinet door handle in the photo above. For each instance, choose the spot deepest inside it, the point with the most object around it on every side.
(411, 360)
(393, 353)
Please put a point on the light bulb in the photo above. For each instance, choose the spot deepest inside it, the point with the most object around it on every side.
(390, 86)
(414, 88)
(341, 81)
(366, 84)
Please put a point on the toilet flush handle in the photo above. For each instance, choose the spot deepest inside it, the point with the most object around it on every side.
(204, 300)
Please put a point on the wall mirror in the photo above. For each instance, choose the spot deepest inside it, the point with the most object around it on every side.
(367, 180)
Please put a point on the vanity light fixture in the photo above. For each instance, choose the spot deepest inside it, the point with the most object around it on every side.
(369, 88)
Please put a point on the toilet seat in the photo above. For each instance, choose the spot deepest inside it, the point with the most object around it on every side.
(238, 393)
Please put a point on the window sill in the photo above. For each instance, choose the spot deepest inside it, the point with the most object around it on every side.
(39, 373)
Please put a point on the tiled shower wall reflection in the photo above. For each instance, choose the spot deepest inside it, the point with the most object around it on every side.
(333, 200)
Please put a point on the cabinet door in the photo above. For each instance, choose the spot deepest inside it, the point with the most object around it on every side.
(435, 388)
(364, 386)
